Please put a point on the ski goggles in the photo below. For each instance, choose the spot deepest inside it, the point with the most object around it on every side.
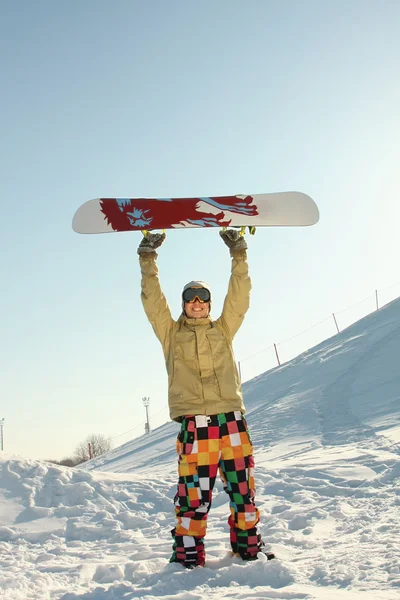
(193, 294)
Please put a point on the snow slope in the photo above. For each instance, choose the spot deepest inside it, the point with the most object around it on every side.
(326, 427)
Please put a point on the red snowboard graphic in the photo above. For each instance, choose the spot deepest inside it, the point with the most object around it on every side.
(142, 213)
(134, 214)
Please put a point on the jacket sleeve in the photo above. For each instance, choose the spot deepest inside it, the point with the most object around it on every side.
(237, 300)
(154, 301)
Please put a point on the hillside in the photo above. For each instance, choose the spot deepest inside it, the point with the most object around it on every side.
(326, 428)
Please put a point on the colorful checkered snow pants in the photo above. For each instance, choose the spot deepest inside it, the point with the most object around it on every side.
(206, 445)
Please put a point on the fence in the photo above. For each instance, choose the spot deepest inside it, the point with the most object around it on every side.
(281, 352)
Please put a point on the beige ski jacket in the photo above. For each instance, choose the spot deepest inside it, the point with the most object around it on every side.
(203, 378)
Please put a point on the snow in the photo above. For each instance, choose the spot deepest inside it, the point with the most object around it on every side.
(326, 428)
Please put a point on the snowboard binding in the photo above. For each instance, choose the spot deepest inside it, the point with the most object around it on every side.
(251, 229)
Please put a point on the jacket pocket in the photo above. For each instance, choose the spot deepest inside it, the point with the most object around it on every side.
(185, 347)
(186, 437)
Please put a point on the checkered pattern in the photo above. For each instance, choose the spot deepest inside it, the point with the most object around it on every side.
(205, 446)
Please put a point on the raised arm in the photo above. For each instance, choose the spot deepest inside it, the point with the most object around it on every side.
(237, 300)
(153, 299)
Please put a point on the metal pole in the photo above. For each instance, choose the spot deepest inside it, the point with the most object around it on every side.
(376, 295)
(1, 434)
(334, 318)
(146, 402)
(277, 355)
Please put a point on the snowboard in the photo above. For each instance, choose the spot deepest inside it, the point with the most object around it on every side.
(104, 215)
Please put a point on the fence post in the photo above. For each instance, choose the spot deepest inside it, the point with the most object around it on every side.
(277, 355)
(376, 295)
(90, 451)
(334, 318)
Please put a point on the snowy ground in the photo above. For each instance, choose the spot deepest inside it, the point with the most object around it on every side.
(326, 427)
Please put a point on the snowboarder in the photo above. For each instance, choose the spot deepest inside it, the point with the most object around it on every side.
(205, 396)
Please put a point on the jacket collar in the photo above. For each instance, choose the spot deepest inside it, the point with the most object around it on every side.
(184, 320)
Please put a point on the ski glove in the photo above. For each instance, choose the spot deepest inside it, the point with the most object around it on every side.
(150, 242)
(233, 240)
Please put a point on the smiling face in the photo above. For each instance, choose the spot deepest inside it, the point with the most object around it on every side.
(196, 300)
(197, 310)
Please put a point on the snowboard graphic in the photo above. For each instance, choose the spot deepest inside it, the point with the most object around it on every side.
(105, 215)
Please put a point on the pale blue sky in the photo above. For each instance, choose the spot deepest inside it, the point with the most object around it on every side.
(179, 98)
